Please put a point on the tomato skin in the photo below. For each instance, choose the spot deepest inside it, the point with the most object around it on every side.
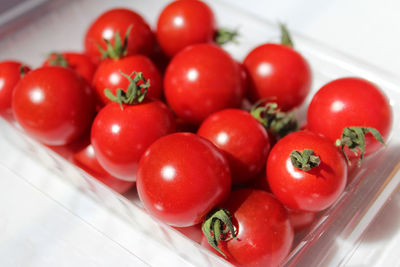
(9, 77)
(312, 190)
(183, 23)
(300, 219)
(264, 233)
(54, 105)
(86, 160)
(108, 75)
(140, 40)
(277, 73)
(80, 63)
(243, 140)
(120, 136)
(201, 80)
(181, 177)
(350, 102)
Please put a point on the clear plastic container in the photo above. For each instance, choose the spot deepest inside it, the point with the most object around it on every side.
(59, 25)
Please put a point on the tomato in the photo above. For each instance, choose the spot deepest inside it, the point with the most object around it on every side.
(140, 39)
(201, 80)
(10, 74)
(315, 183)
(243, 140)
(300, 219)
(80, 63)
(86, 159)
(279, 74)
(108, 75)
(264, 235)
(54, 105)
(350, 102)
(181, 177)
(183, 23)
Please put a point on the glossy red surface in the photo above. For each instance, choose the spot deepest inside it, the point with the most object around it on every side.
(10, 75)
(312, 190)
(140, 40)
(349, 102)
(201, 80)
(183, 23)
(242, 138)
(264, 233)
(181, 177)
(120, 136)
(108, 75)
(80, 63)
(279, 74)
(54, 105)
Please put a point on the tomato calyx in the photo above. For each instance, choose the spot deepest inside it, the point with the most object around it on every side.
(273, 119)
(354, 138)
(22, 70)
(218, 227)
(135, 92)
(285, 36)
(57, 59)
(224, 35)
(305, 160)
(119, 49)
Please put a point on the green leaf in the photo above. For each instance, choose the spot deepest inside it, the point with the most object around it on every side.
(285, 36)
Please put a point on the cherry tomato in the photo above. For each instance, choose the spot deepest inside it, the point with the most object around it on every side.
(242, 138)
(296, 187)
(181, 177)
(183, 23)
(201, 80)
(120, 136)
(86, 159)
(53, 104)
(140, 39)
(80, 63)
(108, 75)
(350, 102)
(10, 74)
(263, 230)
(300, 219)
(279, 74)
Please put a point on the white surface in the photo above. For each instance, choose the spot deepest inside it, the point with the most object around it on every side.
(35, 231)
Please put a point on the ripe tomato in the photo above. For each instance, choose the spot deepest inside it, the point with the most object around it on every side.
(140, 39)
(53, 104)
(86, 159)
(108, 75)
(300, 219)
(183, 23)
(201, 80)
(279, 74)
(10, 74)
(243, 140)
(350, 102)
(314, 189)
(80, 63)
(264, 235)
(181, 177)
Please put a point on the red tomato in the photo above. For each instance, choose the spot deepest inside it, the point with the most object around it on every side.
(279, 74)
(183, 23)
(80, 63)
(201, 80)
(105, 27)
(10, 74)
(312, 190)
(181, 177)
(86, 159)
(243, 140)
(108, 75)
(349, 102)
(120, 136)
(300, 219)
(54, 105)
(263, 230)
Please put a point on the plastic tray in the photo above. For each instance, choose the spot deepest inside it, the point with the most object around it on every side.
(59, 25)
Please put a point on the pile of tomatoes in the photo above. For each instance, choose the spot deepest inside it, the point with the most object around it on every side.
(211, 143)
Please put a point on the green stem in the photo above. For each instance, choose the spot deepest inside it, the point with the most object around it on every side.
(223, 36)
(119, 49)
(305, 160)
(285, 36)
(57, 59)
